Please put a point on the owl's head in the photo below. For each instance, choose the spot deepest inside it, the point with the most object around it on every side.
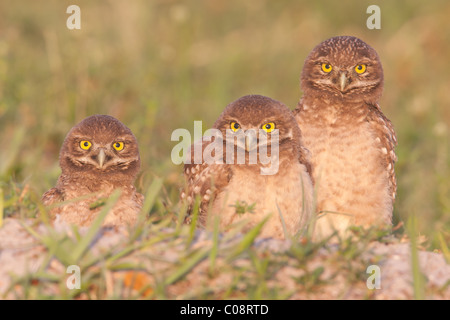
(102, 146)
(343, 67)
(263, 117)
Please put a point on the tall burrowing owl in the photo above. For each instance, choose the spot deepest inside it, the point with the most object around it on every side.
(256, 167)
(350, 140)
(98, 156)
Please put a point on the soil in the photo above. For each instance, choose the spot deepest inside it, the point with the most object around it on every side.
(381, 271)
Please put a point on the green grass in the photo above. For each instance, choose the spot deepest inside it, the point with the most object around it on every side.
(158, 66)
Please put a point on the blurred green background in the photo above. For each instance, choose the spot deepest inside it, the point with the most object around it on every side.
(160, 65)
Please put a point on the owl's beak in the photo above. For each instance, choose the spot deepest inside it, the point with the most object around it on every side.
(343, 81)
(250, 143)
(101, 158)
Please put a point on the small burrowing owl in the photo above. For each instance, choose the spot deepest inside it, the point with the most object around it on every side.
(350, 140)
(259, 169)
(98, 156)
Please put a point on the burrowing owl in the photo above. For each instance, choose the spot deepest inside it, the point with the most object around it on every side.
(350, 140)
(98, 156)
(253, 187)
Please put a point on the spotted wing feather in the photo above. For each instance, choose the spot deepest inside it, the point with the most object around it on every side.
(204, 181)
(388, 141)
(53, 196)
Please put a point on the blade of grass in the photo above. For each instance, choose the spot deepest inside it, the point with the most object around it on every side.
(32, 232)
(215, 245)
(126, 251)
(95, 227)
(194, 221)
(418, 277)
(13, 150)
(182, 216)
(444, 247)
(1, 207)
(283, 223)
(313, 218)
(188, 265)
(151, 195)
(248, 239)
(305, 215)
(43, 213)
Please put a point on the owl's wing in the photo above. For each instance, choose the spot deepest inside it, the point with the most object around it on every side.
(52, 196)
(388, 140)
(203, 182)
(139, 198)
(304, 154)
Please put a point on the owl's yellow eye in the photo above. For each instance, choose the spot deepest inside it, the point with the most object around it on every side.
(268, 127)
(360, 68)
(85, 145)
(326, 67)
(234, 126)
(118, 145)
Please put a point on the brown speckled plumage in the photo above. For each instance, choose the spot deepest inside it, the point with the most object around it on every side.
(220, 186)
(88, 178)
(350, 140)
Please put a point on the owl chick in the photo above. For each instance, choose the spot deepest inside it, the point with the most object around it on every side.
(98, 156)
(259, 168)
(350, 140)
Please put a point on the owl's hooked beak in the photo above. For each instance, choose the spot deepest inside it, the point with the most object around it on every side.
(101, 158)
(343, 81)
(250, 143)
